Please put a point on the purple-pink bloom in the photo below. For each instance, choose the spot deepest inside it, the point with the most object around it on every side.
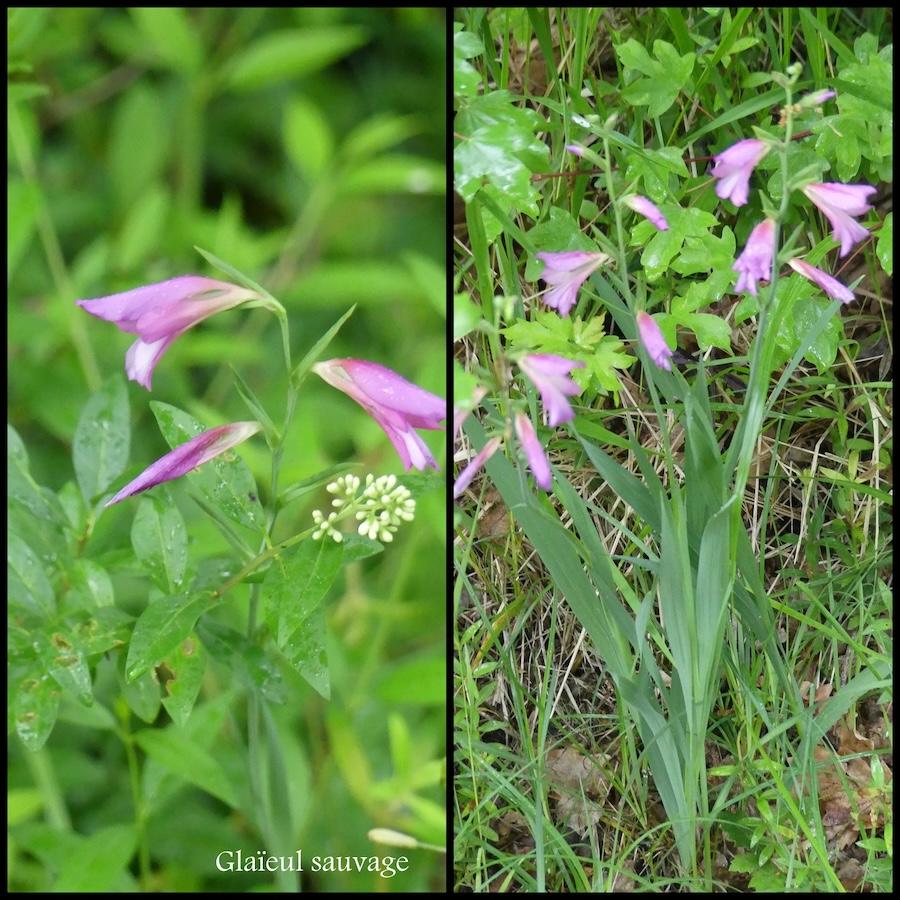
(654, 343)
(534, 452)
(550, 375)
(733, 168)
(832, 287)
(465, 477)
(187, 457)
(159, 313)
(397, 405)
(647, 209)
(817, 98)
(839, 203)
(755, 263)
(575, 149)
(459, 415)
(566, 272)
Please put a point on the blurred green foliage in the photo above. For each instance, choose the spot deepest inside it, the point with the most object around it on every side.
(306, 147)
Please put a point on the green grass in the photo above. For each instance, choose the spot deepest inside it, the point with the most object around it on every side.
(530, 679)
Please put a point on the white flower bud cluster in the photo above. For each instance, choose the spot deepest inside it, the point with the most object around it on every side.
(381, 508)
(385, 506)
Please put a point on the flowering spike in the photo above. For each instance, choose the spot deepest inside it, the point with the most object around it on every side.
(566, 272)
(159, 313)
(550, 375)
(755, 263)
(187, 457)
(396, 404)
(733, 168)
(840, 203)
(654, 343)
(534, 452)
(831, 286)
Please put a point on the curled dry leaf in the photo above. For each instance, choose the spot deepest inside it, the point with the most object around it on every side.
(578, 788)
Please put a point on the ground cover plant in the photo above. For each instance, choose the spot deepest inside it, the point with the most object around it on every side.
(225, 449)
(673, 253)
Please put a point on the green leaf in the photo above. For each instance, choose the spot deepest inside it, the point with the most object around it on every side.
(307, 138)
(23, 804)
(159, 539)
(225, 481)
(466, 316)
(296, 584)
(159, 630)
(143, 228)
(66, 664)
(142, 696)
(665, 76)
(99, 863)
(884, 248)
(23, 490)
(301, 370)
(466, 79)
(380, 132)
(244, 658)
(22, 205)
(305, 650)
(180, 755)
(420, 680)
(391, 173)
(102, 438)
(35, 708)
(291, 54)
(183, 673)
(27, 584)
(300, 488)
(174, 37)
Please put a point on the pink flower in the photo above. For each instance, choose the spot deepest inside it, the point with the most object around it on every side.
(755, 263)
(550, 375)
(187, 457)
(396, 404)
(159, 313)
(459, 415)
(653, 341)
(534, 452)
(575, 149)
(733, 168)
(647, 209)
(817, 98)
(832, 287)
(566, 272)
(471, 470)
(839, 203)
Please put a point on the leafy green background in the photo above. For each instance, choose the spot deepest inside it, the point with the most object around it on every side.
(307, 149)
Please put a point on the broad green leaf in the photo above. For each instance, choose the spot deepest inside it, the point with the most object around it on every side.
(27, 584)
(66, 664)
(104, 628)
(664, 77)
(175, 39)
(225, 481)
(296, 584)
(102, 439)
(23, 490)
(160, 629)
(245, 659)
(182, 671)
(183, 757)
(308, 139)
(99, 863)
(138, 143)
(466, 79)
(356, 548)
(420, 680)
(884, 248)
(143, 696)
(305, 650)
(289, 54)
(35, 708)
(159, 538)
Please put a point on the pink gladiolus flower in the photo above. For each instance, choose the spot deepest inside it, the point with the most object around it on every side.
(471, 470)
(550, 375)
(566, 272)
(839, 203)
(647, 209)
(534, 452)
(733, 168)
(575, 149)
(187, 457)
(817, 98)
(755, 263)
(396, 404)
(653, 341)
(832, 287)
(159, 313)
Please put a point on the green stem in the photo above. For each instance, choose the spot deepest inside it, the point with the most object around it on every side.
(41, 766)
(54, 255)
(140, 812)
